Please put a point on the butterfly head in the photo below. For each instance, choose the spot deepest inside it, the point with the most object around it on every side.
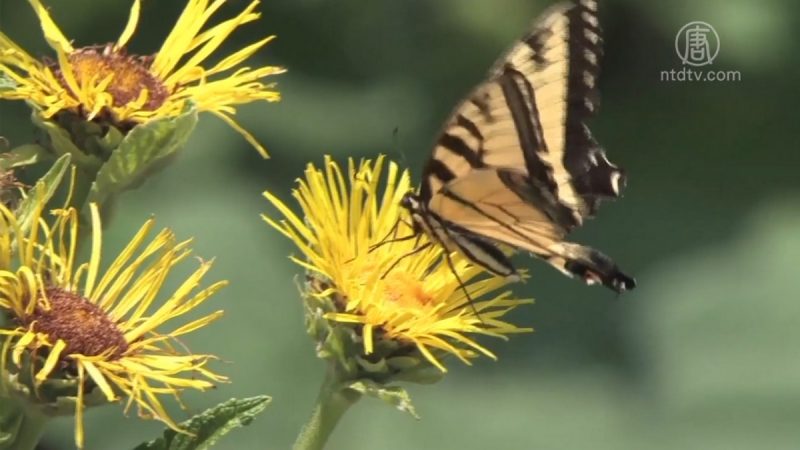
(411, 202)
(416, 208)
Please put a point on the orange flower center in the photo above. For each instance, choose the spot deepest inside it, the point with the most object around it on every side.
(130, 75)
(405, 290)
(81, 324)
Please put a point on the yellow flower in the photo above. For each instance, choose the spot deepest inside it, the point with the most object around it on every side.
(419, 302)
(129, 89)
(71, 321)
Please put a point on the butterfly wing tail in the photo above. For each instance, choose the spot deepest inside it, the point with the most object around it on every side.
(590, 265)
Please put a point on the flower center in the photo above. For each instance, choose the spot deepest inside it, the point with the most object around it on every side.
(406, 290)
(130, 75)
(85, 328)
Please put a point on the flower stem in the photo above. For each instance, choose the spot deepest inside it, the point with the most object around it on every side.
(23, 428)
(332, 402)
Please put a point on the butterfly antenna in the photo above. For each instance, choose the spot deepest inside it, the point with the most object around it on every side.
(386, 240)
(396, 147)
(389, 241)
(393, 234)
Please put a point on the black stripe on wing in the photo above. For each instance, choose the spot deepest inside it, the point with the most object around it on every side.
(478, 249)
(593, 267)
(470, 126)
(540, 198)
(439, 170)
(434, 169)
(456, 145)
(473, 156)
(509, 225)
(593, 175)
(539, 187)
(586, 263)
(521, 101)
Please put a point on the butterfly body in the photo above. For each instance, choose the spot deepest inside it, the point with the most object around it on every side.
(454, 238)
(516, 165)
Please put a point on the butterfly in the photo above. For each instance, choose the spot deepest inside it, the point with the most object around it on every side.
(516, 166)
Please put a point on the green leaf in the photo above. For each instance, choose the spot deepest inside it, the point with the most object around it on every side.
(96, 138)
(414, 370)
(24, 155)
(205, 429)
(42, 191)
(10, 424)
(393, 395)
(144, 150)
(60, 142)
(111, 139)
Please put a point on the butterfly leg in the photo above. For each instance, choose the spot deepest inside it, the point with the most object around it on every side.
(412, 252)
(461, 283)
(386, 240)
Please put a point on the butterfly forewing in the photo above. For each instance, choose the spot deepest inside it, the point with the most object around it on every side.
(516, 164)
(485, 206)
(552, 74)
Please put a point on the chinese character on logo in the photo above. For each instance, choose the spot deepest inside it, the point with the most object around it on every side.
(697, 43)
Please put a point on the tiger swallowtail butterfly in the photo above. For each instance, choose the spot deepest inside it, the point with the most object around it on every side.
(516, 165)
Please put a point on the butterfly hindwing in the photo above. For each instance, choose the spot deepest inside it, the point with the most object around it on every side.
(486, 206)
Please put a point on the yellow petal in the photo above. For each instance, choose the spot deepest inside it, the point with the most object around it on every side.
(239, 56)
(94, 258)
(203, 37)
(7, 44)
(130, 27)
(97, 376)
(52, 359)
(79, 408)
(247, 136)
(121, 260)
(175, 46)
(52, 33)
(224, 30)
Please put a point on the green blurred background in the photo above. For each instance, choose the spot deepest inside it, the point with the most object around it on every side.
(703, 355)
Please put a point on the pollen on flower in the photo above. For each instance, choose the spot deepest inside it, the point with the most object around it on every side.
(104, 83)
(68, 319)
(128, 77)
(81, 324)
(400, 292)
(405, 290)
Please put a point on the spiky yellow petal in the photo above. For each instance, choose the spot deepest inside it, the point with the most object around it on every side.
(394, 289)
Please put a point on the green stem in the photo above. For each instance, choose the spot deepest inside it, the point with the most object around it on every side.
(20, 429)
(332, 402)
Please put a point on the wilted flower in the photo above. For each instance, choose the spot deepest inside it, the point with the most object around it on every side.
(104, 81)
